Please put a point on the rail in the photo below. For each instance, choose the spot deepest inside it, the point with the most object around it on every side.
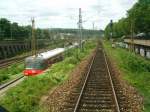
(115, 101)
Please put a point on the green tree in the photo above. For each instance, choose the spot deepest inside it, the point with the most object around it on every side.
(138, 16)
(4, 28)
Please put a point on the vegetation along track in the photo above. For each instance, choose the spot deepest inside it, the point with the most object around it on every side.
(6, 63)
(97, 91)
(6, 85)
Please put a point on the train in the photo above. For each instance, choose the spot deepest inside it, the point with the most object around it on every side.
(35, 65)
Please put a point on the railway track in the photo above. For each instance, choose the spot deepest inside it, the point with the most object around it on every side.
(98, 91)
(2, 86)
(6, 63)
(5, 86)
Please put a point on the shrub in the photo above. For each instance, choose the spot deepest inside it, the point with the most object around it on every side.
(134, 63)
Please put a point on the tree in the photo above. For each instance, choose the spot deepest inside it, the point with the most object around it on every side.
(138, 16)
(4, 28)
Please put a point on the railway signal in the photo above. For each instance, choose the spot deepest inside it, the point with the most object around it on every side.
(111, 28)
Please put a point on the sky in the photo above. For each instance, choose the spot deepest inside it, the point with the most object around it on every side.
(64, 13)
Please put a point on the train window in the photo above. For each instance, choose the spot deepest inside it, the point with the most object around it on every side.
(36, 64)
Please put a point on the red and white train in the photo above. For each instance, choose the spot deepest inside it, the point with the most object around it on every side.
(37, 64)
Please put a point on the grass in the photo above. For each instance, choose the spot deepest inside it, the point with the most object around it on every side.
(135, 69)
(26, 96)
(10, 72)
(14, 70)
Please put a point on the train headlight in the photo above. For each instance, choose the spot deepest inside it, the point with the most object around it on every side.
(26, 73)
(33, 71)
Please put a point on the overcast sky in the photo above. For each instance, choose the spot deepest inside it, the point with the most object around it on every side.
(64, 13)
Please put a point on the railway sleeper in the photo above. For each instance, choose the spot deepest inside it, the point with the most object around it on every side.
(95, 102)
(97, 95)
(98, 106)
(96, 110)
(97, 98)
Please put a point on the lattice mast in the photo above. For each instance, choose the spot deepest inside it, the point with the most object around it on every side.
(80, 27)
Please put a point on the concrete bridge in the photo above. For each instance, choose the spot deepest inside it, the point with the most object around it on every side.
(11, 48)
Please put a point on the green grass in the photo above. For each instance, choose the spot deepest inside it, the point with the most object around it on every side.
(10, 72)
(135, 69)
(14, 70)
(26, 96)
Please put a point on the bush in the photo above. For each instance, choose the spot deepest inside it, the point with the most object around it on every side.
(3, 77)
(135, 69)
(134, 63)
(11, 71)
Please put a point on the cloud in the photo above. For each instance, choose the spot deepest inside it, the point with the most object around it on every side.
(64, 13)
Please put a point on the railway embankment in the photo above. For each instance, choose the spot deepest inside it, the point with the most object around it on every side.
(10, 72)
(64, 97)
(26, 96)
(56, 99)
(134, 73)
(10, 69)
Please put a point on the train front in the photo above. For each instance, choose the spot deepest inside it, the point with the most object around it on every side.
(34, 66)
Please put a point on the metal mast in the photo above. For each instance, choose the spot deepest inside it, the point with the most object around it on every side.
(33, 41)
(93, 25)
(80, 28)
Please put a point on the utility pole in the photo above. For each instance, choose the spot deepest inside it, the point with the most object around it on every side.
(132, 36)
(80, 28)
(93, 25)
(33, 41)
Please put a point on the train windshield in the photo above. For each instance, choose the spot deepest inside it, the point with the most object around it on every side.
(35, 64)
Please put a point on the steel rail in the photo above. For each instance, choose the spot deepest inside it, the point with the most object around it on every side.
(83, 87)
(10, 63)
(10, 60)
(112, 85)
(3, 86)
(111, 82)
